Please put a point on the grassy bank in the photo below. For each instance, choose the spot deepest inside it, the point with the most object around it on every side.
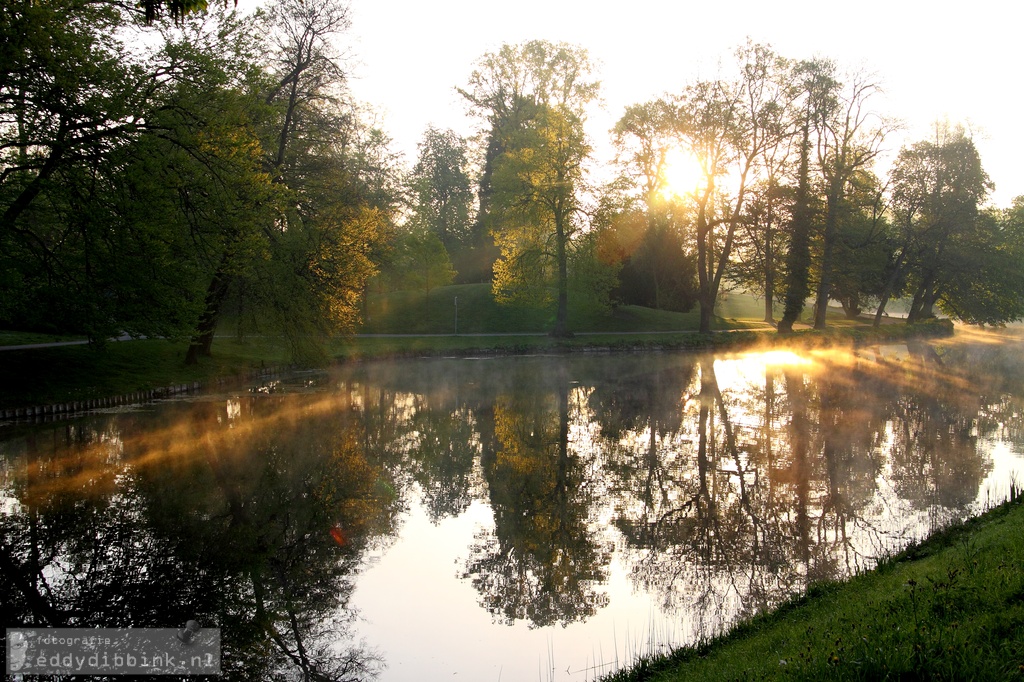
(55, 375)
(951, 608)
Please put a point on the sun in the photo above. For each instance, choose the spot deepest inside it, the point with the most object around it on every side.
(682, 173)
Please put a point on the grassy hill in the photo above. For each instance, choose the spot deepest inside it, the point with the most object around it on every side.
(409, 312)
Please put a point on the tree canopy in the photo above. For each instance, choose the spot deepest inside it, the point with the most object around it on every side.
(144, 190)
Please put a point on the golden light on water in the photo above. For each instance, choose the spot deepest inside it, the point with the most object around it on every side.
(784, 357)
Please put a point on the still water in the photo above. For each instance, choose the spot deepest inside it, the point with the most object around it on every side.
(527, 518)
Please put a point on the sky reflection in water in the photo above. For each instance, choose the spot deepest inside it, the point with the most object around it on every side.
(510, 518)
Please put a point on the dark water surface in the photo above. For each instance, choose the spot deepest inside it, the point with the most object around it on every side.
(527, 518)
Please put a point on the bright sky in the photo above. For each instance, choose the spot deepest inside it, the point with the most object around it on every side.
(935, 60)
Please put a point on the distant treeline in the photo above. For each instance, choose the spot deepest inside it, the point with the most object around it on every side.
(158, 173)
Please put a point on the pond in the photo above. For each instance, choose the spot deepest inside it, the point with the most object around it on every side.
(513, 518)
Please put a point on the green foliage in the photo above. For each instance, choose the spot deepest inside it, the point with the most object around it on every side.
(761, 243)
(986, 285)
(175, 9)
(533, 96)
(938, 187)
(863, 248)
(535, 203)
(442, 193)
(64, 102)
(644, 137)
(146, 188)
(592, 280)
(421, 262)
(652, 244)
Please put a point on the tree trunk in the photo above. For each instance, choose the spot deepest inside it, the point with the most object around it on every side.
(202, 343)
(890, 286)
(798, 259)
(561, 329)
(924, 298)
(707, 309)
(769, 275)
(828, 246)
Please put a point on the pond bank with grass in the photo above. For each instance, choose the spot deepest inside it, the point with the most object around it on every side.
(50, 381)
(948, 608)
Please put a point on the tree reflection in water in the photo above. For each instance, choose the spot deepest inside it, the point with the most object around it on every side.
(760, 489)
(721, 484)
(542, 562)
(222, 513)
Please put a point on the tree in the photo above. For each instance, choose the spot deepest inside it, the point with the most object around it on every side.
(863, 247)
(937, 187)
(761, 243)
(986, 285)
(728, 125)
(657, 270)
(815, 88)
(320, 248)
(644, 138)
(442, 194)
(114, 162)
(422, 262)
(849, 137)
(533, 96)
(441, 187)
(69, 94)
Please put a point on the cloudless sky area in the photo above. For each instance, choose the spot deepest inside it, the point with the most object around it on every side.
(938, 60)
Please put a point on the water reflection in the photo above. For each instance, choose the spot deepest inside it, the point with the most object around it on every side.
(720, 485)
(541, 562)
(247, 515)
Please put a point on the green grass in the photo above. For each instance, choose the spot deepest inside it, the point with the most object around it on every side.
(56, 375)
(16, 338)
(415, 312)
(951, 608)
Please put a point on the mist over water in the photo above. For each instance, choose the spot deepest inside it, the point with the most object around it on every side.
(500, 518)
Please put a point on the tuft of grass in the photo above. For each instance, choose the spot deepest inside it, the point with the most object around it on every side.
(949, 608)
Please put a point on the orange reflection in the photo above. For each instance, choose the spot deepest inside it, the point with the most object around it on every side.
(92, 463)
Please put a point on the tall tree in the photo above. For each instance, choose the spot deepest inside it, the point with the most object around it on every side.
(849, 137)
(109, 164)
(533, 97)
(441, 187)
(442, 195)
(728, 125)
(816, 86)
(320, 248)
(937, 187)
(644, 141)
(864, 245)
(422, 262)
(986, 281)
(798, 253)
(761, 244)
(658, 270)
